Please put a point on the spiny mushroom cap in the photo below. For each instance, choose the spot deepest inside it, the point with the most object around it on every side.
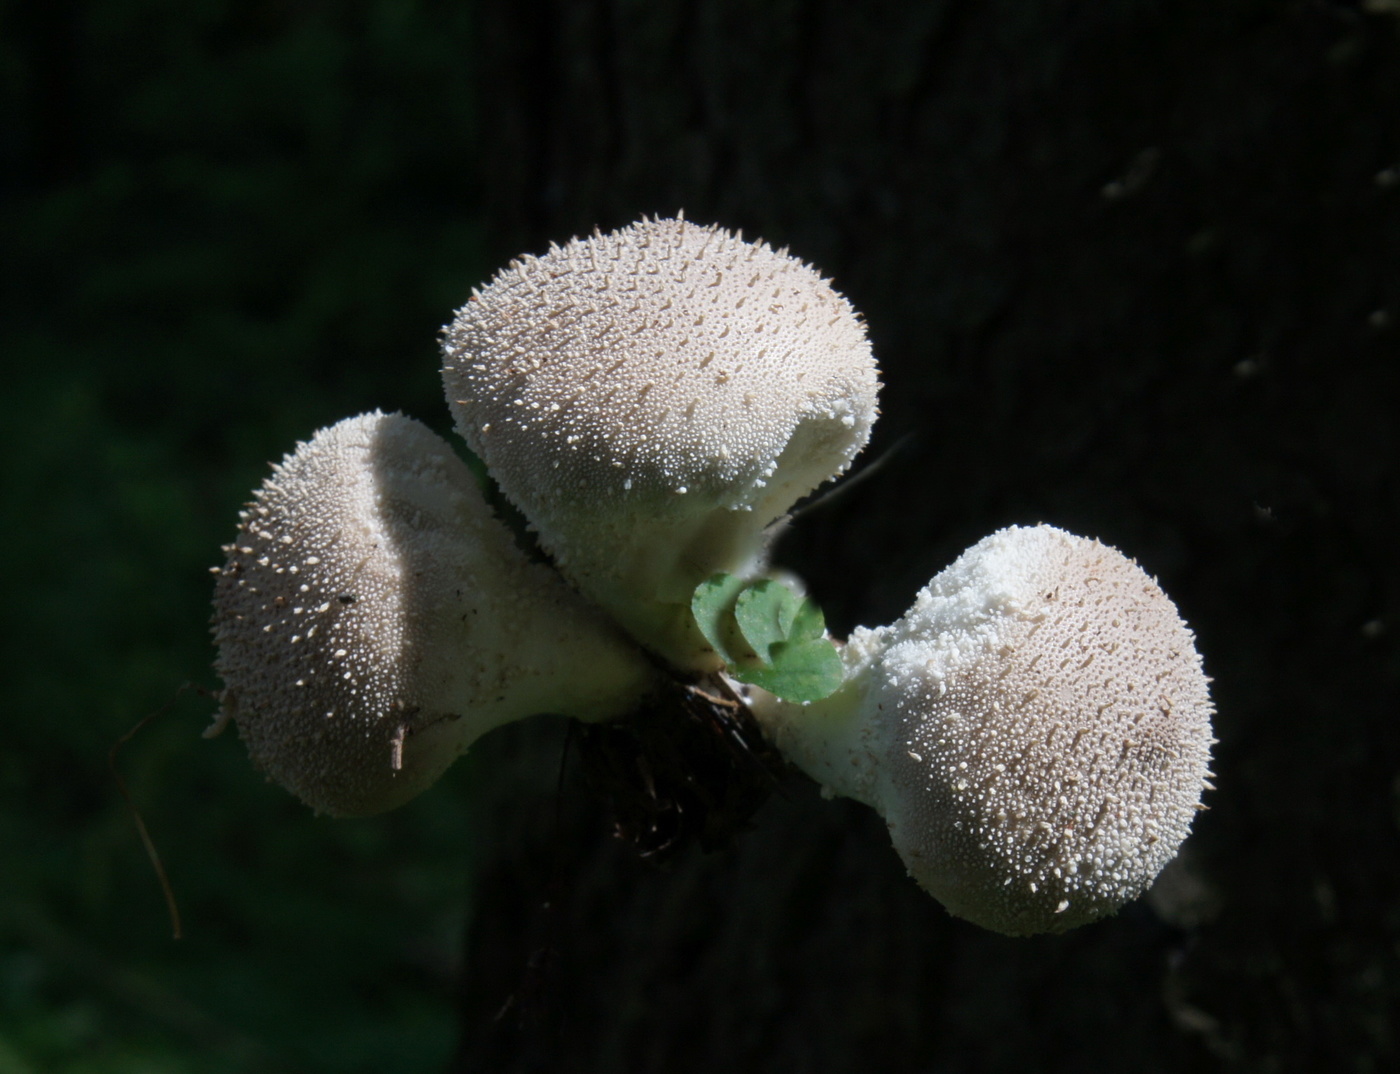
(373, 619)
(1044, 727)
(653, 398)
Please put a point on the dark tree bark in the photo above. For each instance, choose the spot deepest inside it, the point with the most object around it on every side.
(1131, 268)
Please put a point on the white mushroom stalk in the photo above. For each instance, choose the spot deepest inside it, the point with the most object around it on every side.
(653, 400)
(374, 619)
(1035, 731)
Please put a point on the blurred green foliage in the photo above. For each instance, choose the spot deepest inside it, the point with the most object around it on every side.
(225, 225)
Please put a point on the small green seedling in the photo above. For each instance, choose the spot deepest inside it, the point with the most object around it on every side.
(768, 636)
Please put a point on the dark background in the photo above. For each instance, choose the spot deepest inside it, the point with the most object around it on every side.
(1132, 268)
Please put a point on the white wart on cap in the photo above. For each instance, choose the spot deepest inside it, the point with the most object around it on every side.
(1035, 732)
(652, 400)
(374, 618)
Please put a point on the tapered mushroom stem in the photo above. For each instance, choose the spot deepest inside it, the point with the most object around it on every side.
(374, 619)
(1035, 731)
(653, 400)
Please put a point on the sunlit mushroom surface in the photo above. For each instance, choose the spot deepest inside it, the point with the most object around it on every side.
(1047, 723)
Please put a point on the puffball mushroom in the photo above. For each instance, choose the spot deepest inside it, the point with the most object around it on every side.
(1035, 731)
(652, 400)
(374, 619)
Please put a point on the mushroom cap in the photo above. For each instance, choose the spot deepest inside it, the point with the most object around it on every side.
(1046, 732)
(630, 390)
(660, 361)
(373, 619)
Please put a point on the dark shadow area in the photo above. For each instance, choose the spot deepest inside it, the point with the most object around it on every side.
(1131, 268)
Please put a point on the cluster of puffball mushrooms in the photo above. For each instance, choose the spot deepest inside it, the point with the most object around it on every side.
(1035, 731)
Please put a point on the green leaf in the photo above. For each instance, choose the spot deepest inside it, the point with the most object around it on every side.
(806, 670)
(768, 636)
(809, 623)
(712, 604)
(765, 612)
